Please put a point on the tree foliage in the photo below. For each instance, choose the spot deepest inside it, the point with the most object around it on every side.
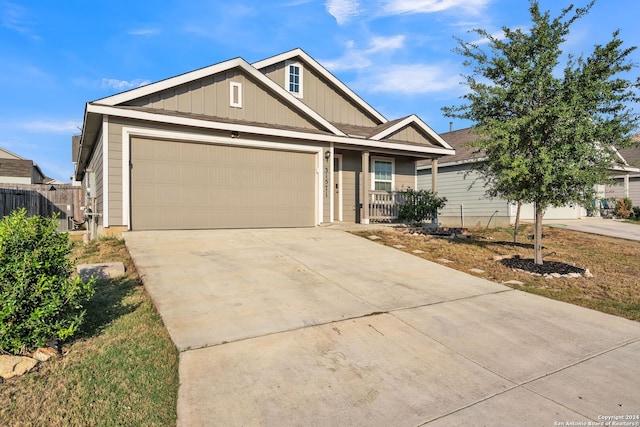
(547, 130)
(39, 300)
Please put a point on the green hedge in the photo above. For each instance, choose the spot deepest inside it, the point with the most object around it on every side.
(39, 299)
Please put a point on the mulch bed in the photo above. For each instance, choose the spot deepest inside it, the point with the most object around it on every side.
(548, 267)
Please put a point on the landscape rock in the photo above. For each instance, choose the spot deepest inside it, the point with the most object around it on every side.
(588, 274)
(556, 275)
(476, 270)
(417, 251)
(399, 246)
(373, 237)
(444, 261)
(12, 366)
(514, 282)
(105, 270)
(44, 353)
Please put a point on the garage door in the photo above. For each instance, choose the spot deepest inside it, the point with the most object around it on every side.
(178, 185)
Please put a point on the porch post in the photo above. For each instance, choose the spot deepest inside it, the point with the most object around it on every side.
(366, 179)
(626, 185)
(434, 175)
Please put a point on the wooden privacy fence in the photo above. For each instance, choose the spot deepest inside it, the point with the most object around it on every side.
(44, 200)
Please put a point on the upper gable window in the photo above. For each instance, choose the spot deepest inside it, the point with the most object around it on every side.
(293, 78)
(235, 94)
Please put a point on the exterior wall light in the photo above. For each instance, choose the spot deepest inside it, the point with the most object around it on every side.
(327, 154)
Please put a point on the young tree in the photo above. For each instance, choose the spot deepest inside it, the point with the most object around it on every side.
(547, 132)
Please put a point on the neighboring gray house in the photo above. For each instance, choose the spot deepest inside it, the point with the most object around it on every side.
(15, 169)
(628, 185)
(277, 143)
(467, 203)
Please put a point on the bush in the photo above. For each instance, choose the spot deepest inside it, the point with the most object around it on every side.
(636, 213)
(623, 207)
(39, 300)
(419, 206)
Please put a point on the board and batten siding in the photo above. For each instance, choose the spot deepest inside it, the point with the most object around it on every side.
(464, 203)
(323, 98)
(405, 173)
(409, 134)
(210, 96)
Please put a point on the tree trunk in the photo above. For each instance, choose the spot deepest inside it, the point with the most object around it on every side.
(515, 226)
(537, 235)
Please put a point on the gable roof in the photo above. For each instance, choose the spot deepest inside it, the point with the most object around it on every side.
(149, 89)
(124, 105)
(458, 140)
(299, 53)
(6, 154)
(632, 154)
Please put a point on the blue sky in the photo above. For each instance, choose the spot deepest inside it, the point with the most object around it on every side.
(396, 54)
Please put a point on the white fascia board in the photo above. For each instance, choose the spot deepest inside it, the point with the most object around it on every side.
(206, 124)
(406, 122)
(456, 163)
(214, 69)
(324, 72)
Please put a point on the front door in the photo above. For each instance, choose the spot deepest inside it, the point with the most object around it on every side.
(337, 187)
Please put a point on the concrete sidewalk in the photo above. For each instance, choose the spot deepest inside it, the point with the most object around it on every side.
(319, 327)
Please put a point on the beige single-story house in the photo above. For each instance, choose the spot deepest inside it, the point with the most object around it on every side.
(277, 143)
(467, 202)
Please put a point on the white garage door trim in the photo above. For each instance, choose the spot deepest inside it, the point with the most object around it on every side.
(129, 132)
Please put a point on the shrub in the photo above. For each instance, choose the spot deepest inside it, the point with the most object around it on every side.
(39, 299)
(636, 213)
(623, 207)
(419, 206)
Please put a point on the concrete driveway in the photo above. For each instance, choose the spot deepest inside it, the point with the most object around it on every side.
(606, 227)
(319, 327)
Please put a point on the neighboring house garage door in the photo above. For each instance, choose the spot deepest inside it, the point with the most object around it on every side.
(179, 185)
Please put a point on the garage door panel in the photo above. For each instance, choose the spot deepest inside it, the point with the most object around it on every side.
(236, 187)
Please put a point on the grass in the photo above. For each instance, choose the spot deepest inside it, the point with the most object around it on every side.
(614, 289)
(122, 369)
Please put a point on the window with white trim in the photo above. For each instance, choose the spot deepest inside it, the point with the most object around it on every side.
(235, 94)
(293, 78)
(383, 174)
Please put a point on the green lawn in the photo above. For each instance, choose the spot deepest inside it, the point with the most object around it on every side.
(122, 370)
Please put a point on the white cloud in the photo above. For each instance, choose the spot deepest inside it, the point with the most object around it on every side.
(412, 79)
(144, 32)
(397, 7)
(343, 10)
(357, 59)
(123, 84)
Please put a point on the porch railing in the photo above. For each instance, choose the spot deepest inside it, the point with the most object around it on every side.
(384, 205)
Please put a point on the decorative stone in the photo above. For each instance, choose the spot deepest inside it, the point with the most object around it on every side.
(373, 237)
(588, 274)
(44, 353)
(13, 366)
(556, 275)
(514, 282)
(105, 270)
(476, 270)
(417, 251)
(444, 261)
(399, 246)
(574, 275)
